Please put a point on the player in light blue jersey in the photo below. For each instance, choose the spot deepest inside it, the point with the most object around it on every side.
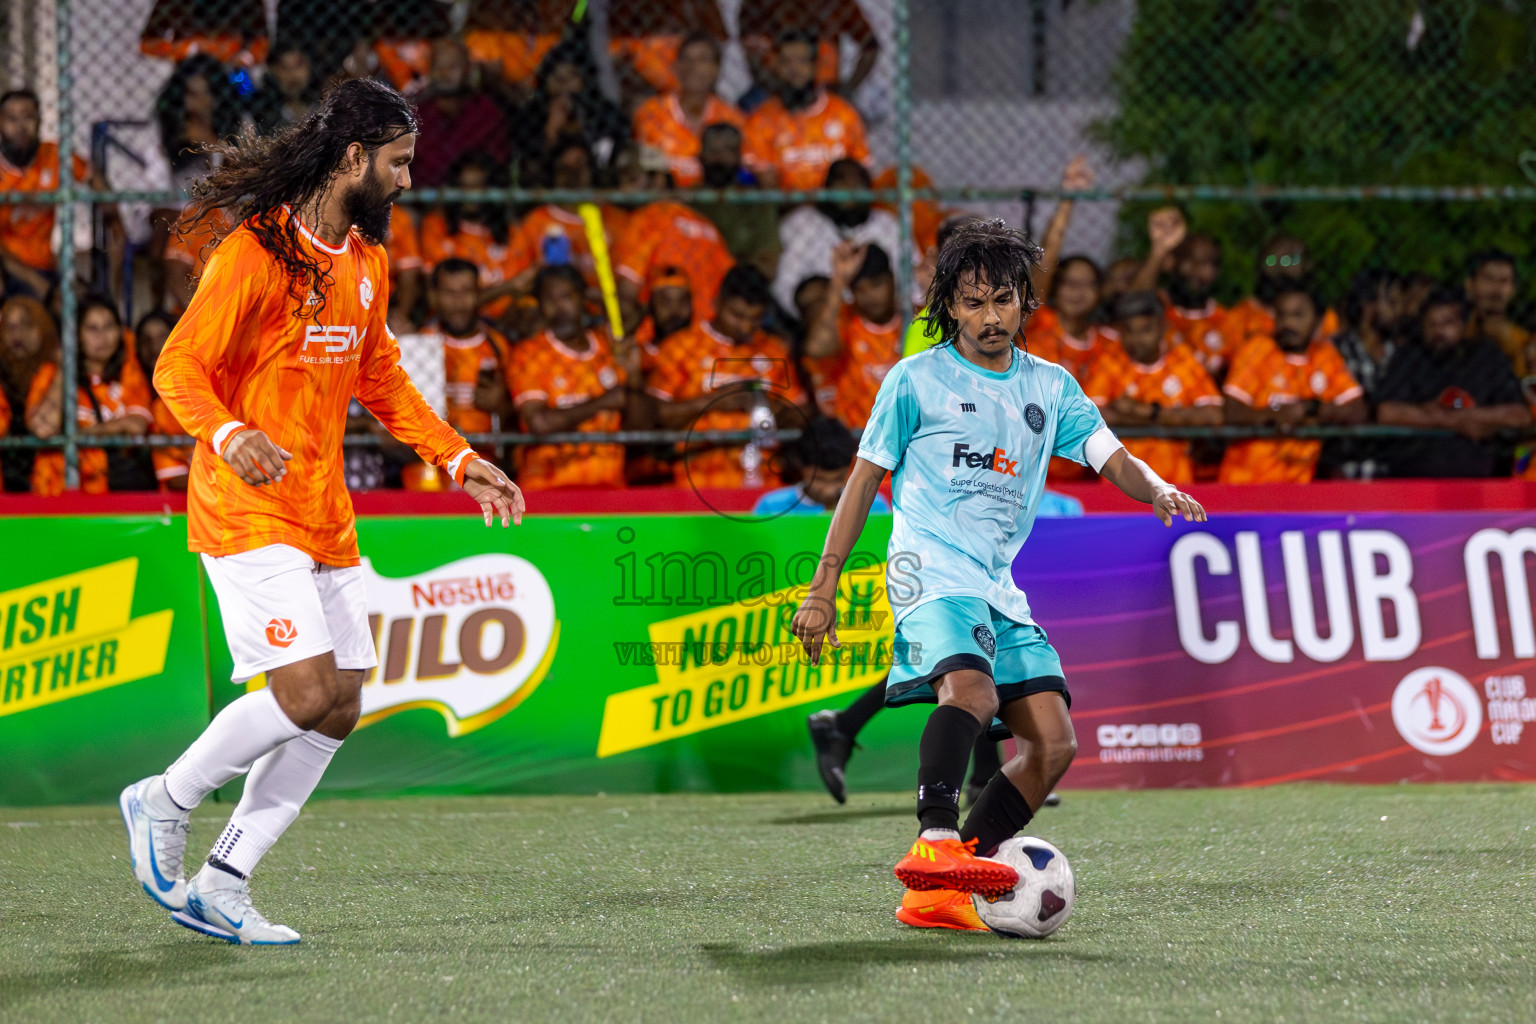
(967, 430)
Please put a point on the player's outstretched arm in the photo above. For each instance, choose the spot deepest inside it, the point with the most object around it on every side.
(817, 616)
(1137, 480)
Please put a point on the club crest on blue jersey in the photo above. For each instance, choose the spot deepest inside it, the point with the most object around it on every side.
(1035, 417)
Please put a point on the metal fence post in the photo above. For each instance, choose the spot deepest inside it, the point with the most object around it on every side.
(903, 259)
(64, 212)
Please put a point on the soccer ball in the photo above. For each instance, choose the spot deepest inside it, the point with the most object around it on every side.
(1041, 902)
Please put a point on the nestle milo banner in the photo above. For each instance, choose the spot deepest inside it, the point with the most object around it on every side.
(102, 669)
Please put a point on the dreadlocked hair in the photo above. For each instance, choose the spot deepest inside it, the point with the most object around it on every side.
(257, 176)
(987, 250)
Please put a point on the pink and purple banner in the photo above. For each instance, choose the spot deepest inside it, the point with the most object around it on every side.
(1271, 648)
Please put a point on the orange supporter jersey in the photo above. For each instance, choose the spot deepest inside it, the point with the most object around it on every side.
(240, 359)
(126, 396)
(669, 235)
(1262, 377)
(846, 383)
(1251, 319)
(800, 146)
(545, 369)
(700, 360)
(170, 462)
(26, 231)
(927, 215)
(1176, 381)
(528, 243)
(472, 242)
(404, 245)
(464, 359)
(1050, 341)
(1203, 331)
(518, 54)
(661, 124)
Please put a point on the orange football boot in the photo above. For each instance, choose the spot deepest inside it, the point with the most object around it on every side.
(952, 864)
(940, 908)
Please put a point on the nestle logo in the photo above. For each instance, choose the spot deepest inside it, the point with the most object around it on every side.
(462, 590)
(967, 406)
(996, 460)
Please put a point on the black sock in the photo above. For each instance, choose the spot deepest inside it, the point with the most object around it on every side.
(857, 715)
(985, 763)
(214, 862)
(942, 754)
(999, 813)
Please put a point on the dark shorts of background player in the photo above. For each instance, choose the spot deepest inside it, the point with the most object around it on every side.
(952, 633)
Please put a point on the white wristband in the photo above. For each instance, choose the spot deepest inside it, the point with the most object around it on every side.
(222, 434)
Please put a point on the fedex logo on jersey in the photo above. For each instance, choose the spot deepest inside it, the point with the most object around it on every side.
(339, 342)
(996, 460)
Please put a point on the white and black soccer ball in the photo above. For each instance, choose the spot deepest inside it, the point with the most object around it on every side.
(1043, 899)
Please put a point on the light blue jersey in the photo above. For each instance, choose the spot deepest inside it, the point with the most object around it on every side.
(968, 449)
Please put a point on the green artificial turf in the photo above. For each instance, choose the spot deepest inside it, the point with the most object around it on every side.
(1300, 903)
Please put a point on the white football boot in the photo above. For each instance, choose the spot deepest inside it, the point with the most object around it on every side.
(219, 904)
(156, 845)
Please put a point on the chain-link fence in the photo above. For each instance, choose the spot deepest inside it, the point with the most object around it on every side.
(1301, 138)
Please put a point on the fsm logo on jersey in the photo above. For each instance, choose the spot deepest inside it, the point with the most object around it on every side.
(471, 640)
(1437, 711)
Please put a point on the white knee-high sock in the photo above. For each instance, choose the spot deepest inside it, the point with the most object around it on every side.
(250, 727)
(275, 790)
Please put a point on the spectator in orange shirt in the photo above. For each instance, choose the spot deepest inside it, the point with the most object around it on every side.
(404, 248)
(851, 346)
(514, 36)
(1490, 289)
(674, 122)
(763, 21)
(705, 379)
(171, 464)
(1192, 264)
(475, 356)
(476, 232)
(555, 233)
(647, 39)
(670, 310)
(28, 340)
(1142, 379)
(112, 399)
(1283, 259)
(796, 136)
(667, 235)
(1298, 377)
(1062, 331)
(571, 379)
(28, 164)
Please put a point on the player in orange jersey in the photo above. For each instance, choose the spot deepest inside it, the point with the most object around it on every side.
(674, 122)
(706, 375)
(1298, 377)
(287, 325)
(571, 379)
(1143, 379)
(793, 138)
(851, 346)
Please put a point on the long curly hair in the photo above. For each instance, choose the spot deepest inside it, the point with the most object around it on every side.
(987, 249)
(257, 176)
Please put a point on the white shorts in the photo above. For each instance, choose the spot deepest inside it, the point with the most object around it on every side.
(280, 606)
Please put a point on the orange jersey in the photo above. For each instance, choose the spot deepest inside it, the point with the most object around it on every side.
(545, 369)
(472, 242)
(240, 358)
(699, 360)
(661, 124)
(1251, 319)
(1263, 377)
(169, 462)
(670, 235)
(404, 246)
(802, 145)
(763, 21)
(26, 231)
(192, 241)
(406, 62)
(464, 359)
(518, 54)
(927, 215)
(846, 383)
(126, 396)
(1176, 381)
(527, 245)
(1047, 339)
(1203, 330)
(649, 35)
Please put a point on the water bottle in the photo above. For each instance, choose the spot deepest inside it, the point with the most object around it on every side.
(556, 250)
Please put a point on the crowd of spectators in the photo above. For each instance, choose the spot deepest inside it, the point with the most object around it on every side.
(799, 303)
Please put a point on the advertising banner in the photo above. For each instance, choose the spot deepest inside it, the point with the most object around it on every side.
(1259, 649)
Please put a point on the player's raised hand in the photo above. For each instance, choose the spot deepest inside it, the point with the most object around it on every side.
(496, 494)
(1170, 502)
(1166, 229)
(255, 458)
(1078, 176)
(816, 617)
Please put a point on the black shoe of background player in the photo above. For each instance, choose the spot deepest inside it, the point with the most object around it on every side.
(833, 749)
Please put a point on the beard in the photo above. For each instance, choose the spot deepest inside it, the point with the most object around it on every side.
(368, 208)
(1185, 296)
(18, 156)
(797, 97)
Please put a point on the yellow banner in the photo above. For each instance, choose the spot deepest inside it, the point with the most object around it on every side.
(740, 660)
(71, 635)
